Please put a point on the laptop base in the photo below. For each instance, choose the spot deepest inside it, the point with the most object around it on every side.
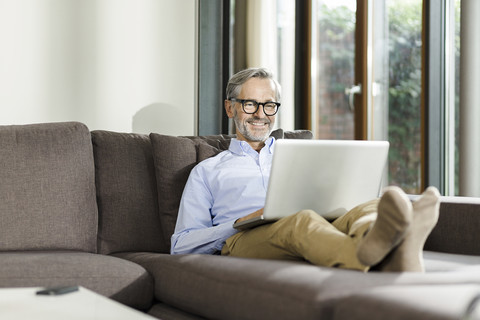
(252, 223)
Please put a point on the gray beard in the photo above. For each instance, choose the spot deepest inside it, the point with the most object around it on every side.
(249, 135)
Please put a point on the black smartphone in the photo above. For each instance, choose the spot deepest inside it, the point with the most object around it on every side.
(57, 290)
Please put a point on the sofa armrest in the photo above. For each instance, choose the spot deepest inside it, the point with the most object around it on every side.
(457, 230)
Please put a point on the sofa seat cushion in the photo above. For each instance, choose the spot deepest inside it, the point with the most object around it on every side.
(47, 188)
(218, 287)
(119, 279)
(439, 261)
(436, 302)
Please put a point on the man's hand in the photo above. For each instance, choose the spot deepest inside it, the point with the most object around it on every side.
(257, 213)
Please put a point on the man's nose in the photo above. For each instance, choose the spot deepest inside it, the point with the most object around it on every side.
(259, 113)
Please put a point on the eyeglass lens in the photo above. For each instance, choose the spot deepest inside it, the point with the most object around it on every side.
(269, 108)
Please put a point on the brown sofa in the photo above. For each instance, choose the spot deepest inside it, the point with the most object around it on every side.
(97, 209)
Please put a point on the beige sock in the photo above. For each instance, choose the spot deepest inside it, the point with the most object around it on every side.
(393, 221)
(408, 256)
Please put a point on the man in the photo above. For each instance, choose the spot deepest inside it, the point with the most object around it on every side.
(387, 233)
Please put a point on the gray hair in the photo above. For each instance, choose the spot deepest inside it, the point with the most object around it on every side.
(236, 82)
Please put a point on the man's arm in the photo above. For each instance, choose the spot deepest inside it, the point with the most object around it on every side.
(194, 231)
(205, 241)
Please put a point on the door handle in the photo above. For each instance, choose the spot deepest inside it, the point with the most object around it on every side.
(350, 92)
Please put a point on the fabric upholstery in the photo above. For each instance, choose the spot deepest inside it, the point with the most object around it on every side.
(175, 157)
(51, 180)
(126, 193)
(270, 289)
(457, 227)
(440, 261)
(116, 278)
(47, 189)
(166, 312)
(441, 302)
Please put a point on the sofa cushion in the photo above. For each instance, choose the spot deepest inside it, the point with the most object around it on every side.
(164, 311)
(439, 302)
(268, 289)
(126, 193)
(47, 189)
(457, 227)
(440, 261)
(119, 279)
(175, 157)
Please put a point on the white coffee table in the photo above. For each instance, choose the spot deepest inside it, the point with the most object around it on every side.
(23, 303)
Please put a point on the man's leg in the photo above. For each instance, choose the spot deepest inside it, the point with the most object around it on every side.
(394, 242)
(408, 256)
(302, 236)
(394, 219)
(358, 240)
(378, 226)
(358, 221)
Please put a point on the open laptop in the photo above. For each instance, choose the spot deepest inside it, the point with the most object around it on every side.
(329, 177)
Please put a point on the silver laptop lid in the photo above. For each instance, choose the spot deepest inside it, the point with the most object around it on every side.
(327, 176)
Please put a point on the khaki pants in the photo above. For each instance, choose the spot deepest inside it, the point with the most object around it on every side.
(307, 236)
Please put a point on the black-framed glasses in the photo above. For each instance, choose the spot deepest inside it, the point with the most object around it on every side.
(270, 108)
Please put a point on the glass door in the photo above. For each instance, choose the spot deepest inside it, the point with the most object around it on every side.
(366, 84)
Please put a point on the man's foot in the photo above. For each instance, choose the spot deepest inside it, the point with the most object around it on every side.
(393, 221)
(408, 256)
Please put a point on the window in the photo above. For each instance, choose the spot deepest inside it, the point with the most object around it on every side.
(391, 63)
(333, 47)
(359, 74)
(404, 43)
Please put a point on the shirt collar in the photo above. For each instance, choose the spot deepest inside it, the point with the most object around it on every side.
(270, 144)
(242, 147)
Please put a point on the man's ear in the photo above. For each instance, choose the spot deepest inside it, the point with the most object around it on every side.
(229, 108)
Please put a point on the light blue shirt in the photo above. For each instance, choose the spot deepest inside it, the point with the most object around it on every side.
(218, 191)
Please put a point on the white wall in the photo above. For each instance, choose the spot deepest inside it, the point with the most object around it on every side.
(120, 65)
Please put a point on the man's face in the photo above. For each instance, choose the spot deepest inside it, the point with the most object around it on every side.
(258, 126)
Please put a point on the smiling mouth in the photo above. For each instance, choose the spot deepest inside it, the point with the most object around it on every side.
(257, 123)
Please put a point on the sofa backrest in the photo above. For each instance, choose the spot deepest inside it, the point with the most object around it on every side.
(460, 214)
(139, 183)
(126, 194)
(47, 188)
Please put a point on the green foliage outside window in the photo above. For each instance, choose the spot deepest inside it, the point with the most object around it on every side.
(404, 93)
